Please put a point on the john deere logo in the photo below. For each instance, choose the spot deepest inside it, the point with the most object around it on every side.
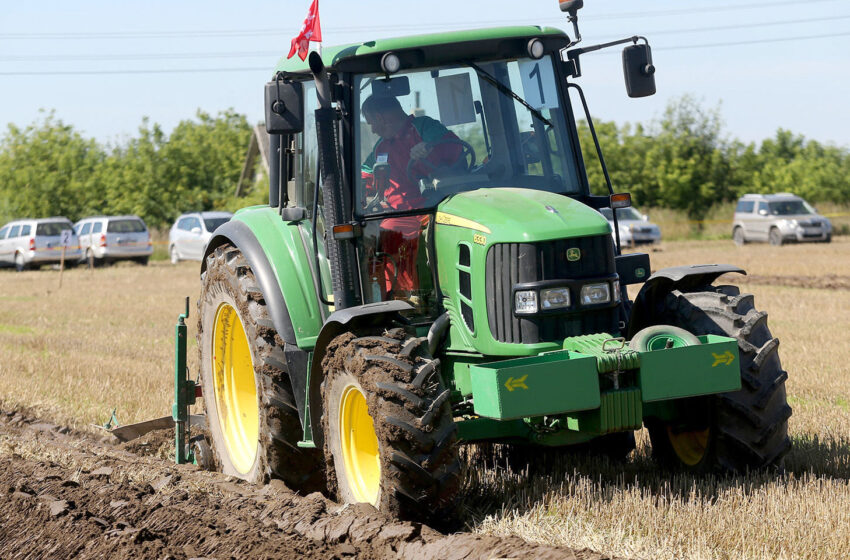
(640, 272)
(573, 254)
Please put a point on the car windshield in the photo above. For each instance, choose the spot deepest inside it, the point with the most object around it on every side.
(213, 224)
(52, 229)
(622, 214)
(427, 133)
(125, 226)
(789, 208)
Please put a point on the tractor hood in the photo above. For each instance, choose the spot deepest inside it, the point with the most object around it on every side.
(521, 215)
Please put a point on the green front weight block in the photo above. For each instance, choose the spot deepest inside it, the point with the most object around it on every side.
(568, 382)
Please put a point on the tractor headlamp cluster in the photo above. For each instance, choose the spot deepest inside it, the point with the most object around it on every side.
(531, 299)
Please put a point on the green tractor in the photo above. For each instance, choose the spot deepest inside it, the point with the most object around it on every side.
(443, 276)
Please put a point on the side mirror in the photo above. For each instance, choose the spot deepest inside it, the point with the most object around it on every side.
(638, 70)
(762, 212)
(196, 230)
(644, 217)
(284, 104)
(571, 6)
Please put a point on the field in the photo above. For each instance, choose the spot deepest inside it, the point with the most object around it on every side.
(104, 341)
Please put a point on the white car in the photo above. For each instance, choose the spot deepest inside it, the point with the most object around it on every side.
(191, 232)
(777, 219)
(635, 228)
(112, 238)
(31, 243)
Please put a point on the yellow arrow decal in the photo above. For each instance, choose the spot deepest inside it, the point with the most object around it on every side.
(726, 358)
(518, 383)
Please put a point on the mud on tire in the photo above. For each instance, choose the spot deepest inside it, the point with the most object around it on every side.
(748, 428)
(411, 412)
(228, 280)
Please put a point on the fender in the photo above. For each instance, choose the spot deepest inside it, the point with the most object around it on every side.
(370, 314)
(282, 281)
(665, 281)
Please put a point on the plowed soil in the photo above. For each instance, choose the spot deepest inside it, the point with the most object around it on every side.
(66, 494)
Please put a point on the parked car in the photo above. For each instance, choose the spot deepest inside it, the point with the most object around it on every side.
(777, 219)
(33, 242)
(635, 228)
(191, 232)
(113, 238)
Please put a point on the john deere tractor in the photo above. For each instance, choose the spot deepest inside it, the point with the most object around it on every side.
(352, 342)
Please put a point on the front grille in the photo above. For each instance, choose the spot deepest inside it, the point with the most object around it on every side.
(512, 263)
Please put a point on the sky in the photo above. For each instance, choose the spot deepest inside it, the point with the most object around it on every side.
(103, 66)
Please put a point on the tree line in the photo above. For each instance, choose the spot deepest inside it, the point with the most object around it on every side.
(682, 161)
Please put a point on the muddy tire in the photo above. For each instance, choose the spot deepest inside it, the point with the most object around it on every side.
(736, 431)
(252, 417)
(402, 458)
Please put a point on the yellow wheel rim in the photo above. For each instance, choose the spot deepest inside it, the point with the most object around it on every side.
(690, 447)
(359, 446)
(235, 389)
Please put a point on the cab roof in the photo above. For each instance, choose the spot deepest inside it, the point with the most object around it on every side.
(332, 56)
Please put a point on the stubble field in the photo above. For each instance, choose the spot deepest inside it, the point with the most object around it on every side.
(104, 341)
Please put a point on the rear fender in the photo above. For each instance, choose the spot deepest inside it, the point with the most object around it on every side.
(352, 318)
(655, 290)
(275, 252)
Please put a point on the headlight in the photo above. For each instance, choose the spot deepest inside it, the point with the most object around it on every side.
(554, 298)
(525, 301)
(593, 294)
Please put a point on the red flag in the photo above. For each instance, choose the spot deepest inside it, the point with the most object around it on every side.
(310, 31)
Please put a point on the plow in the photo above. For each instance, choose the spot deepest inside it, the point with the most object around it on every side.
(432, 269)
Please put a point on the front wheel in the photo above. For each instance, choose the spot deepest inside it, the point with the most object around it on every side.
(775, 237)
(172, 253)
(388, 429)
(735, 431)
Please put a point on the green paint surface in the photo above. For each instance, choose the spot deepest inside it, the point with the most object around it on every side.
(333, 55)
(281, 242)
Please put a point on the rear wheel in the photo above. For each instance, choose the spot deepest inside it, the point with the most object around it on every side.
(388, 429)
(251, 413)
(142, 260)
(732, 431)
(20, 263)
(738, 236)
(775, 237)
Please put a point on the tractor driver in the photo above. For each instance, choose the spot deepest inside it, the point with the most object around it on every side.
(390, 172)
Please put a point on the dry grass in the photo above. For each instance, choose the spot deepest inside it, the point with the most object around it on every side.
(106, 340)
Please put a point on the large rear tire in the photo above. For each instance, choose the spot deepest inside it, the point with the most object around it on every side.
(736, 431)
(251, 412)
(389, 432)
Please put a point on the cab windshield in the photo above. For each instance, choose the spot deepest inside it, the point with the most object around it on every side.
(789, 208)
(425, 134)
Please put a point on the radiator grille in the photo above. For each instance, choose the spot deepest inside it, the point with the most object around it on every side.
(512, 263)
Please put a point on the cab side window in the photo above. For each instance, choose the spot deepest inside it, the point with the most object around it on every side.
(762, 208)
(96, 227)
(86, 228)
(25, 230)
(14, 231)
(745, 207)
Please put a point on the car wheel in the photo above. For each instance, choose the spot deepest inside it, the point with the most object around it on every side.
(20, 264)
(738, 236)
(175, 258)
(775, 237)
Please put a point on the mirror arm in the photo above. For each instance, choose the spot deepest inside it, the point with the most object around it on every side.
(573, 55)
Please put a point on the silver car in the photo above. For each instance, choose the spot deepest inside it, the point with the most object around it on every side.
(191, 232)
(34, 242)
(113, 238)
(635, 228)
(777, 219)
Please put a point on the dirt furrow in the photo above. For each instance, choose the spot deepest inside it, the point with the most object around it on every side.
(68, 495)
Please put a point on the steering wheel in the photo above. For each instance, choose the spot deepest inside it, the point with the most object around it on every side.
(373, 204)
(435, 170)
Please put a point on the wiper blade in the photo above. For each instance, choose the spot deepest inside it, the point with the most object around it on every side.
(509, 92)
